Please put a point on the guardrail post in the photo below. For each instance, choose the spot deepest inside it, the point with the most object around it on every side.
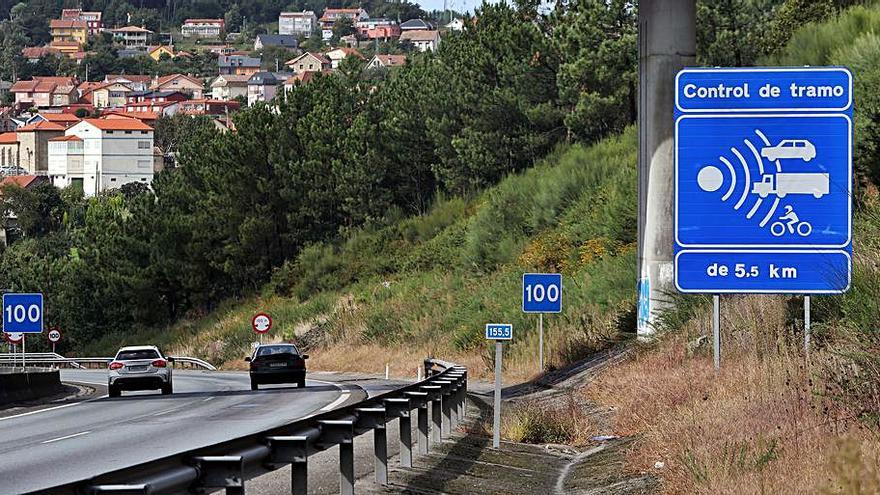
(445, 395)
(419, 400)
(400, 408)
(221, 471)
(434, 394)
(455, 377)
(341, 432)
(293, 450)
(374, 418)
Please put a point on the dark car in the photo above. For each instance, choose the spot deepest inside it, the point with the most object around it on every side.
(277, 363)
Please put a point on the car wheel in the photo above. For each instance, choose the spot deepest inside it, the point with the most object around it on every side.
(113, 391)
(254, 385)
(168, 388)
(301, 383)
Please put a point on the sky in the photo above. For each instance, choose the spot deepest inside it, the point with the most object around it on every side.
(457, 5)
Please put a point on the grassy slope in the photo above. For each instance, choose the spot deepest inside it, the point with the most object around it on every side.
(772, 420)
(426, 285)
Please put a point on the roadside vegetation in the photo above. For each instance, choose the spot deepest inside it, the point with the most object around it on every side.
(774, 419)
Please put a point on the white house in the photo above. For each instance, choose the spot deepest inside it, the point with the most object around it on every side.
(102, 154)
(422, 40)
(455, 25)
(132, 37)
(297, 23)
(202, 28)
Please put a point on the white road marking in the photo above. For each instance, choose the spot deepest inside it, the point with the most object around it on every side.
(336, 403)
(68, 436)
(209, 398)
(51, 408)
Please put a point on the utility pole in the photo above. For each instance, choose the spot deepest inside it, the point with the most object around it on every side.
(667, 43)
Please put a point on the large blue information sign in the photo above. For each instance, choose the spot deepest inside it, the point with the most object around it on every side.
(763, 175)
(22, 313)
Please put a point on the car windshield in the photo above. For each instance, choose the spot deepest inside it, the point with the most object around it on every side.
(141, 354)
(270, 350)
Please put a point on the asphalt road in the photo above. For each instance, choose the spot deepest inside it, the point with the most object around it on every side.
(56, 445)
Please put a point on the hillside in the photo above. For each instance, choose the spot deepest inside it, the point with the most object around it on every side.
(426, 285)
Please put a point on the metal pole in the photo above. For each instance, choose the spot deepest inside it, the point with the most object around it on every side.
(496, 420)
(299, 472)
(380, 450)
(716, 330)
(23, 339)
(436, 419)
(405, 427)
(541, 339)
(807, 324)
(667, 43)
(423, 428)
(346, 468)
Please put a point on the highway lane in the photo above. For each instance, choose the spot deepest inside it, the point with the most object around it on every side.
(58, 445)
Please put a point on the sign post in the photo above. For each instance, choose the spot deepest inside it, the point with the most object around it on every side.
(763, 181)
(542, 293)
(22, 313)
(261, 323)
(498, 332)
(54, 336)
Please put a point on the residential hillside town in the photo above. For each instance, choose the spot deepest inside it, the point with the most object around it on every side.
(78, 125)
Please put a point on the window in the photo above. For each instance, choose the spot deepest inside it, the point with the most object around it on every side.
(143, 145)
(113, 179)
(109, 132)
(128, 132)
(130, 355)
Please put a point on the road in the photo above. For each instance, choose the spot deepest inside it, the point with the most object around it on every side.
(62, 444)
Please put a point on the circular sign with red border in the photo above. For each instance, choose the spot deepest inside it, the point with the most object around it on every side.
(14, 338)
(261, 323)
(54, 335)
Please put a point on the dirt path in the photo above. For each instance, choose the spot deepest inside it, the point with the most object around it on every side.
(467, 464)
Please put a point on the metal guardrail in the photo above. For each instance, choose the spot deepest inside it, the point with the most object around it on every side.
(82, 363)
(228, 465)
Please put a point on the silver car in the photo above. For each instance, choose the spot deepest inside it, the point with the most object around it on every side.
(140, 368)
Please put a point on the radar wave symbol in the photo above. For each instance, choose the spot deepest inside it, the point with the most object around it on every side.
(711, 178)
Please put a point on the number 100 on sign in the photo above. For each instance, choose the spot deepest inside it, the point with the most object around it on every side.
(23, 313)
(542, 293)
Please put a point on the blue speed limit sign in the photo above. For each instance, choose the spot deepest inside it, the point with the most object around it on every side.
(23, 313)
(542, 293)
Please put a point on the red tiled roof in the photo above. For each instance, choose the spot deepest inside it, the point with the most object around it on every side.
(420, 35)
(128, 77)
(165, 79)
(23, 181)
(119, 124)
(39, 51)
(320, 56)
(41, 126)
(8, 138)
(131, 29)
(118, 114)
(66, 138)
(87, 86)
(204, 21)
(60, 118)
(391, 60)
(347, 51)
(67, 24)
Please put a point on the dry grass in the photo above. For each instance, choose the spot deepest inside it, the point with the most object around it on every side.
(535, 422)
(757, 426)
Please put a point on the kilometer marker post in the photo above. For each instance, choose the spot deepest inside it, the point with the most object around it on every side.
(498, 332)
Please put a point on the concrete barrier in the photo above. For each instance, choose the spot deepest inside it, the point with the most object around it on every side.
(16, 386)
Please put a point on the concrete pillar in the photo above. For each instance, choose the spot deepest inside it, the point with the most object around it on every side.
(667, 43)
